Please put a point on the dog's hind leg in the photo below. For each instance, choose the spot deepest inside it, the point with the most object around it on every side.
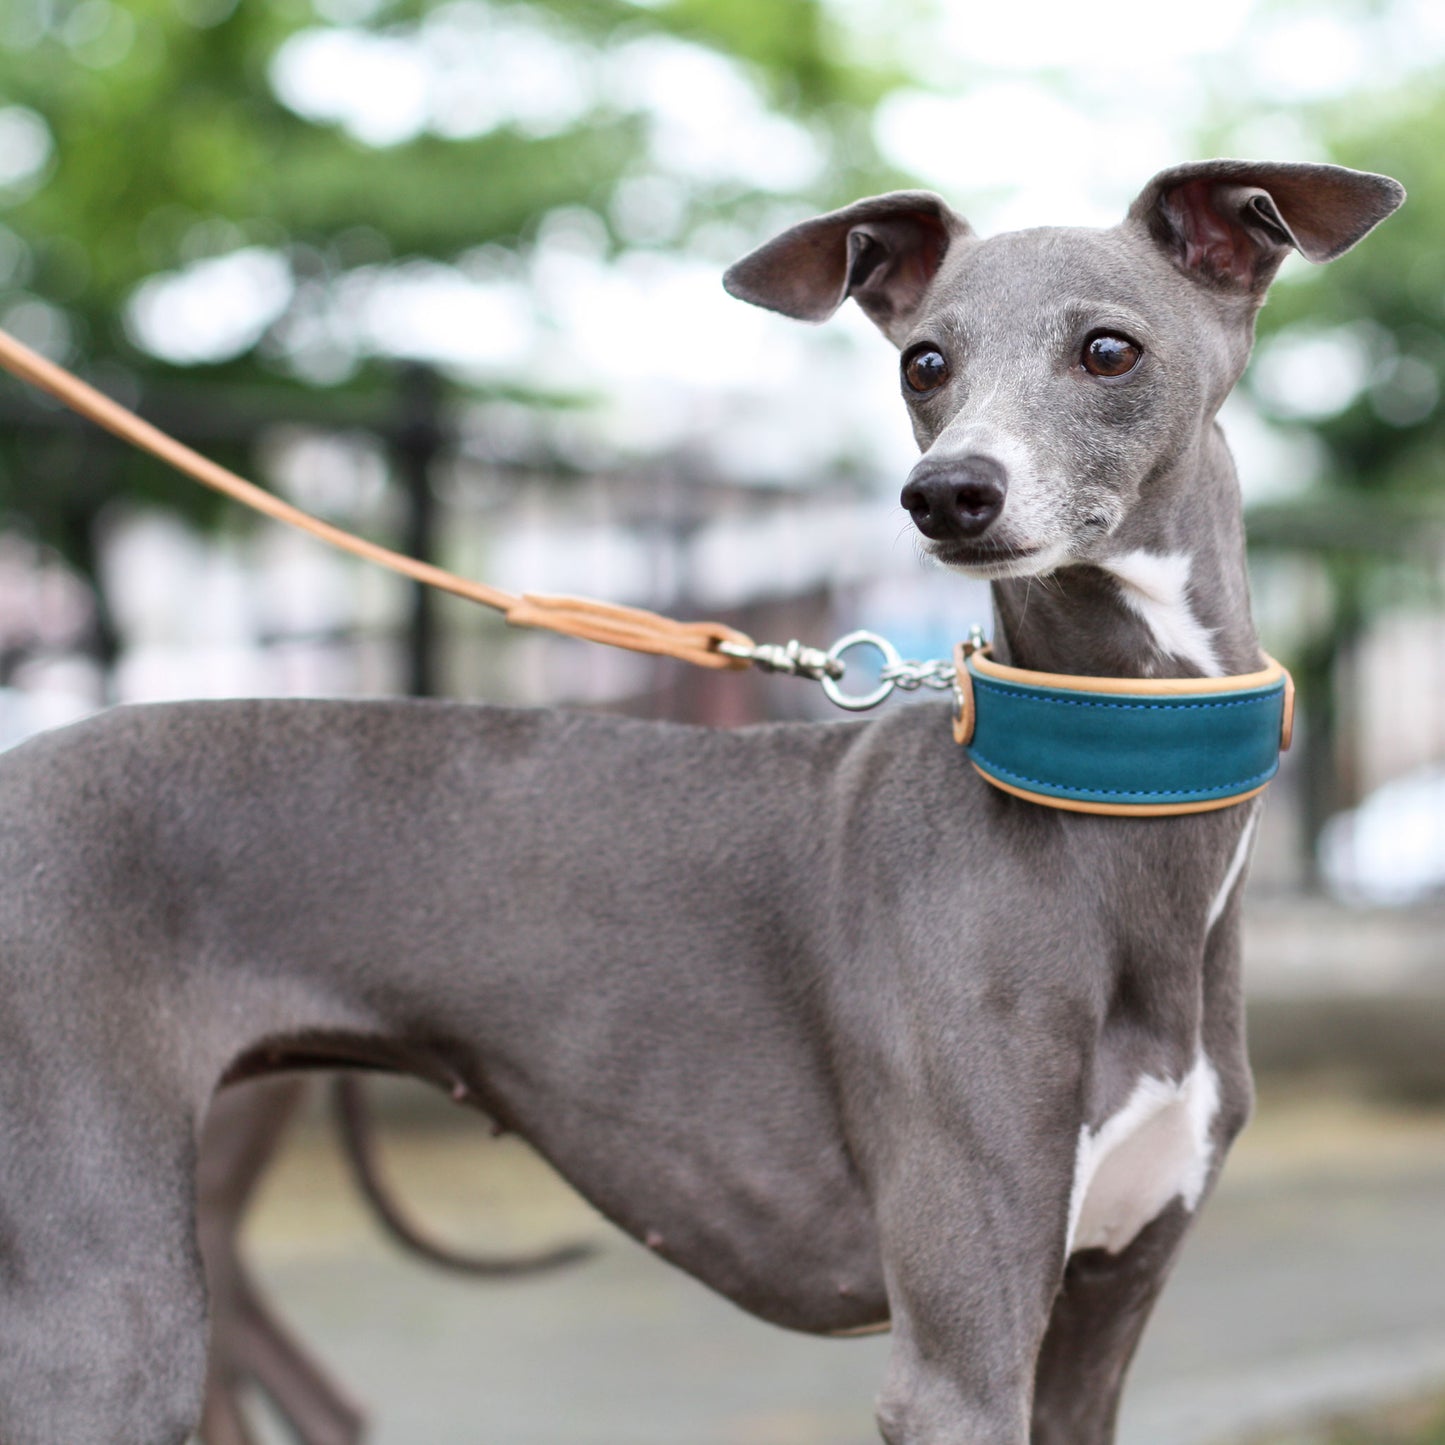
(261, 1349)
(248, 1343)
(102, 1294)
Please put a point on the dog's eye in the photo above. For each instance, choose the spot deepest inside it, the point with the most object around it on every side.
(925, 370)
(1108, 355)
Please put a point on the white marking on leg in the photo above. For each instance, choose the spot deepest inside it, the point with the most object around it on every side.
(1155, 587)
(1235, 869)
(1154, 1150)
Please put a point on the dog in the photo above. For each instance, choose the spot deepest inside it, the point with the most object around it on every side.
(814, 1011)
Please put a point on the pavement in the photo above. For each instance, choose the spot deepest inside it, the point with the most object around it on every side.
(1315, 1282)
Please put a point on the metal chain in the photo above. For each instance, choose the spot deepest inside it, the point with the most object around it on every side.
(796, 660)
(910, 676)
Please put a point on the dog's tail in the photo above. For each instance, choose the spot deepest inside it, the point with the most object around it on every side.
(354, 1122)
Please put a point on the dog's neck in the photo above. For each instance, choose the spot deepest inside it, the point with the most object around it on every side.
(1172, 599)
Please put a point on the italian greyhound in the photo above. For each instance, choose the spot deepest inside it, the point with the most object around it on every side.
(813, 1011)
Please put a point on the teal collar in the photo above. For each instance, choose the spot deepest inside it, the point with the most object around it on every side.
(1141, 747)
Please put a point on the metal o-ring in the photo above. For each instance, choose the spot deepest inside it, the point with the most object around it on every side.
(861, 702)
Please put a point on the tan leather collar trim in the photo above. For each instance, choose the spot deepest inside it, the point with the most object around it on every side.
(1130, 686)
(1134, 686)
(1120, 810)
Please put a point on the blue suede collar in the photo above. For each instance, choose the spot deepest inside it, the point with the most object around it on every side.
(1133, 746)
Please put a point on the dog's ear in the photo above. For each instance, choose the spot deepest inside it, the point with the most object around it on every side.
(1231, 223)
(883, 252)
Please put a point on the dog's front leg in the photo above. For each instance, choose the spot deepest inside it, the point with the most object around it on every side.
(973, 1243)
(1106, 1298)
(1101, 1311)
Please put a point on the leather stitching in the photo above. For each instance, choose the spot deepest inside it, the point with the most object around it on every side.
(1165, 704)
(1218, 790)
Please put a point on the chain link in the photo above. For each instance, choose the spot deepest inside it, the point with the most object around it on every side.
(938, 673)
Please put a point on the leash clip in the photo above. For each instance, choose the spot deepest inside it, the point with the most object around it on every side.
(791, 658)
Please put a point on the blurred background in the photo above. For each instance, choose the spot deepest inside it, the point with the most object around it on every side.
(447, 272)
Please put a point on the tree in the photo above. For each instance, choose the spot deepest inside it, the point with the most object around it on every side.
(1374, 521)
(150, 136)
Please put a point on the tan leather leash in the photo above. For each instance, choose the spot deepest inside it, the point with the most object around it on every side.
(705, 644)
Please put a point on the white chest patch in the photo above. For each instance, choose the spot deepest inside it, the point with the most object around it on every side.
(1154, 1150)
(1155, 587)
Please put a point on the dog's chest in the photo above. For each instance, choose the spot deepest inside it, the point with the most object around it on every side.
(1155, 1149)
(1158, 1146)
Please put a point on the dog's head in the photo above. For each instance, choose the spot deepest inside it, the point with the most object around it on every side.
(1050, 373)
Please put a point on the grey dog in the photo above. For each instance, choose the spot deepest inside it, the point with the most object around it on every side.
(813, 1011)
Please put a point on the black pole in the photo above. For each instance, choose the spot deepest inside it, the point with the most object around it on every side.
(417, 441)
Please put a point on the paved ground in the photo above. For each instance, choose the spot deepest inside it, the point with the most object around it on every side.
(1317, 1279)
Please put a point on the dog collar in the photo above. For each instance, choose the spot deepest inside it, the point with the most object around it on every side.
(1140, 747)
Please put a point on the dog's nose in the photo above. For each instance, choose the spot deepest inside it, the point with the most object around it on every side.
(955, 499)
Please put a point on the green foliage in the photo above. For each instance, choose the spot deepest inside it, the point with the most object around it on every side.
(182, 127)
(1374, 525)
(1388, 444)
(170, 144)
(793, 43)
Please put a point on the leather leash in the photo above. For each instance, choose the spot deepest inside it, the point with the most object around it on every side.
(700, 643)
